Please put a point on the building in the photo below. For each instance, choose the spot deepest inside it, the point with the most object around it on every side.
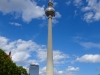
(9, 56)
(34, 69)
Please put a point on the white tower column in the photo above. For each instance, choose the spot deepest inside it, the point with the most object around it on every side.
(49, 69)
(50, 12)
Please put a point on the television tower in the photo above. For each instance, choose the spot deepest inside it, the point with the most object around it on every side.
(50, 12)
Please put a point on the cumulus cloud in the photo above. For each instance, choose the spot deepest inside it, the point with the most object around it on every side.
(90, 45)
(68, 2)
(92, 11)
(3, 41)
(89, 58)
(88, 17)
(58, 57)
(42, 54)
(71, 68)
(20, 56)
(69, 71)
(57, 16)
(15, 24)
(26, 8)
(33, 62)
(20, 49)
(78, 3)
(42, 71)
(29, 52)
(55, 4)
(24, 51)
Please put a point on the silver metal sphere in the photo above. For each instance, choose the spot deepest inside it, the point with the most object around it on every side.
(50, 10)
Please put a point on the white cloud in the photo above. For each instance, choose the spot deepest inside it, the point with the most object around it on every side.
(77, 37)
(92, 11)
(33, 62)
(28, 52)
(57, 16)
(22, 51)
(55, 4)
(89, 58)
(42, 54)
(54, 21)
(3, 41)
(16, 24)
(68, 2)
(90, 45)
(88, 16)
(71, 68)
(78, 3)
(69, 71)
(59, 72)
(20, 56)
(42, 71)
(26, 8)
(58, 57)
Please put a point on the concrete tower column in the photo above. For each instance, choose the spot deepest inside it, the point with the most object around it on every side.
(50, 12)
(49, 69)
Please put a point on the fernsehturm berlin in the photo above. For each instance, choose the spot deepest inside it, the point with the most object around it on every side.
(50, 12)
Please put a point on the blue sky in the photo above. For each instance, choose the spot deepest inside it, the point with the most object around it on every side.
(76, 34)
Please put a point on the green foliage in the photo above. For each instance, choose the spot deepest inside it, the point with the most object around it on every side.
(8, 67)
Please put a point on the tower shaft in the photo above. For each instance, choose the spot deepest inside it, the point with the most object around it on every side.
(49, 69)
(50, 12)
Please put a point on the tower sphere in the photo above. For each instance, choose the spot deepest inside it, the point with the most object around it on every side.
(50, 10)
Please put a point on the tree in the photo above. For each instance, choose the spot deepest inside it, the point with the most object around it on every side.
(22, 70)
(8, 67)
